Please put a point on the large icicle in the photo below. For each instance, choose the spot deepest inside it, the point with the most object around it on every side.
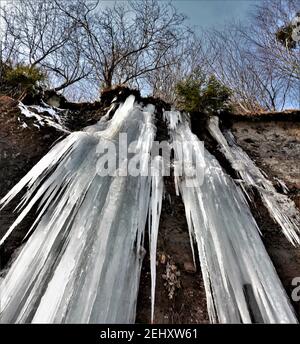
(240, 281)
(154, 216)
(82, 262)
(281, 208)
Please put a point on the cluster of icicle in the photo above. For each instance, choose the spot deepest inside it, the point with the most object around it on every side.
(241, 283)
(82, 261)
(280, 207)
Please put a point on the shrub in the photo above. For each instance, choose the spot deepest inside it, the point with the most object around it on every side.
(24, 76)
(199, 93)
(21, 80)
(215, 97)
(188, 92)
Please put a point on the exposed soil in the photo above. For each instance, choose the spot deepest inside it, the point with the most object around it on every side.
(20, 149)
(292, 115)
(275, 147)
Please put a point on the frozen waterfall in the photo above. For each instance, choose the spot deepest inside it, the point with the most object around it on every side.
(241, 283)
(82, 262)
(82, 259)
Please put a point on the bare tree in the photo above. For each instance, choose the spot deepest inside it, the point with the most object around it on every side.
(86, 41)
(84, 44)
(129, 41)
(267, 19)
(181, 61)
(38, 33)
(257, 82)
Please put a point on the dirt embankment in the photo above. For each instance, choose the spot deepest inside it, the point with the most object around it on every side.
(275, 148)
(20, 149)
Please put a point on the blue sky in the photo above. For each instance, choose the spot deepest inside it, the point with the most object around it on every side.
(209, 13)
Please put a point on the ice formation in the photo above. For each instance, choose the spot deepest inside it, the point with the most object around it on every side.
(154, 216)
(241, 283)
(280, 207)
(82, 261)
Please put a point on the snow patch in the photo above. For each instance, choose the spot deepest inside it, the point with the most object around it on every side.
(43, 116)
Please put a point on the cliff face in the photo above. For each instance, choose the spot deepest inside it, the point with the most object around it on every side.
(22, 144)
(274, 145)
(28, 132)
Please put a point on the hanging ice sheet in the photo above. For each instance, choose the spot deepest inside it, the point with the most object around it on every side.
(240, 281)
(280, 207)
(82, 262)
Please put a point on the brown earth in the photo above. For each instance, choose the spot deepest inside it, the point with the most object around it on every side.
(275, 148)
(20, 149)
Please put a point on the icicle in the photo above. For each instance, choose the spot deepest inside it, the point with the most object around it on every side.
(154, 216)
(240, 281)
(173, 120)
(280, 207)
(83, 259)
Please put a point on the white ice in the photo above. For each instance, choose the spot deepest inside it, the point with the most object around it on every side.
(280, 207)
(82, 261)
(240, 281)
